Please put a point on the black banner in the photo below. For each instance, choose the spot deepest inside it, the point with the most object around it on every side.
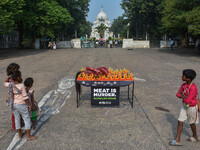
(105, 96)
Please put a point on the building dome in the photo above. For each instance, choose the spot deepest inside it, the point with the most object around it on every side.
(101, 19)
(102, 16)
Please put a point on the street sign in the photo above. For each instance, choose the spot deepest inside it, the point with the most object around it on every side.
(82, 38)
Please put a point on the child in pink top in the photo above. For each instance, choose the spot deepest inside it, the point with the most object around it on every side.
(21, 105)
(34, 106)
(188, 93)
(11, 67)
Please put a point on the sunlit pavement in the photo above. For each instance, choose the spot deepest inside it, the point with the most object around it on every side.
(63, 126)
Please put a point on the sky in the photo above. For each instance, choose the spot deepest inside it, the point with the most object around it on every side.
(111, 7)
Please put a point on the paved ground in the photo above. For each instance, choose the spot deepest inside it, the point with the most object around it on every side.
(63, 126)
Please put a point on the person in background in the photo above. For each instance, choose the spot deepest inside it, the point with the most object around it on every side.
(172, 44)
(111, 43)
(50, 45)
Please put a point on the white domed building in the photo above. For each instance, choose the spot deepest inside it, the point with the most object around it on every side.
(101, 19)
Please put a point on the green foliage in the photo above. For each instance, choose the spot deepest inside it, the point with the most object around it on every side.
(52, 18)
(38, 18)
(193, 19)
(86, 28)
(118, 26)
(181, 16)
(47, 18)
(10, 11)
(109, 38)
(144, 17)
(156, 17)
(78, 9)
(101, 29)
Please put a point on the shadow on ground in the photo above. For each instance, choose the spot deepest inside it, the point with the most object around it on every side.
(174, 122)
(10, 53)
(184, 52)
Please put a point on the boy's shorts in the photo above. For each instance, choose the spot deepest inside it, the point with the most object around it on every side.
(190, 113)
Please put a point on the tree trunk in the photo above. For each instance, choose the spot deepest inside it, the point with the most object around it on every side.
(185, 40)
(144, 31)
(20, 30)
(136, 31)
(149, 31)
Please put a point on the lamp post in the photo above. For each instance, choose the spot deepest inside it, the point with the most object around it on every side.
(128, 30)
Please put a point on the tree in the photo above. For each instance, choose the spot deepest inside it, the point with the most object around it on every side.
(118, 26)
(47, 18)
(78, 9)
(10, 18)
(144, 17)
(181, 17)
(38, 18)
(193, 19)
(10, 11)
(86, 29)
(101, 29)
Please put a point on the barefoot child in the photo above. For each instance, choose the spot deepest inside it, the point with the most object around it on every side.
(34, 107)
(21, 104)
(11, 67)
(188, 93)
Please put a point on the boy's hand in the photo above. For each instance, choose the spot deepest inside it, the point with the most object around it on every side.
(184, 96)
(7, 80)
(198, 103)
(7, 100)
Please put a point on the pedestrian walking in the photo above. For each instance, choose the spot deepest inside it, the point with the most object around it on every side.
(97, 44)
(111, 43)
(188, 93)
(21, 105)
(50, 45)
(172, 44)
(54, 45)
(35, 112)
(116, 43)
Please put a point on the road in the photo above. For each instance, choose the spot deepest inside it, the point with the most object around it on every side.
(63, 126)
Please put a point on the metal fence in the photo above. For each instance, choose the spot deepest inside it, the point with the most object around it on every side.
(156, 43)
(8, 44)
(16, 45)
(87, 44)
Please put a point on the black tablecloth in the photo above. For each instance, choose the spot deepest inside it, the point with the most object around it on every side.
(105, 83)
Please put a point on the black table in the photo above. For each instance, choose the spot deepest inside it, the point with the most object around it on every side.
(109, 89)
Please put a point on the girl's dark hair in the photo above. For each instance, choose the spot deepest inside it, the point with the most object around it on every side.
(28, 82)
(15, 74)
(12, 67)
(189, 73)
(78, 86)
